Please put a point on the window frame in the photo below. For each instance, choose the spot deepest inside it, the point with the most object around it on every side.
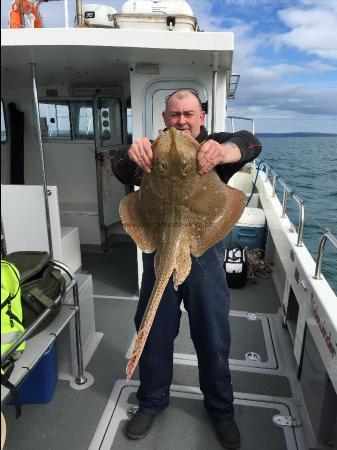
(70, 140)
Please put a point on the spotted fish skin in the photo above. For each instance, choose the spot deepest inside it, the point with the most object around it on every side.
(177, 212)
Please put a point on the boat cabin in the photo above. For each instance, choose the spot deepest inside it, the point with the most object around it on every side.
(71, 98)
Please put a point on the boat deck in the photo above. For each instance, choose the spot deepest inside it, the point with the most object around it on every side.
(263, 376)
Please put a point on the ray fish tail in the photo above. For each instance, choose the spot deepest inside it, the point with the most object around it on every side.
(164, 271)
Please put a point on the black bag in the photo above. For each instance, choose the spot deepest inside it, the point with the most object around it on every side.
(41, 285)
(236, 267)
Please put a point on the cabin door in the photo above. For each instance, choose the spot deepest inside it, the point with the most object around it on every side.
(108, 133)
(155, 96)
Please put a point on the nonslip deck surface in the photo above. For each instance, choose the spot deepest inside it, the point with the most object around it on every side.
(70, 420)
(114, 272)
(186, 412)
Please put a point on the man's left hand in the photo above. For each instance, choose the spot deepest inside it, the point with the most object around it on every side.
(212, 153)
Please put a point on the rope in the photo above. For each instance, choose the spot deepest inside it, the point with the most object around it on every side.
(257, 267)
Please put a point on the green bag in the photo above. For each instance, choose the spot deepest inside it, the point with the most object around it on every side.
(41, 285)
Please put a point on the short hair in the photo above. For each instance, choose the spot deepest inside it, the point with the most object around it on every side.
(190, 91)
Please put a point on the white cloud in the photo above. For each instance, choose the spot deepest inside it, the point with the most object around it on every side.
(260, 74)
(313, 27)
(285, 98)
(319, 66)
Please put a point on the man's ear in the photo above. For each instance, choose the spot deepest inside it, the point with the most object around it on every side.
(163, 114)
(202, 116)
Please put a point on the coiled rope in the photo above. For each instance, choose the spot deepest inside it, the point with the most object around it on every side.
(257, 267)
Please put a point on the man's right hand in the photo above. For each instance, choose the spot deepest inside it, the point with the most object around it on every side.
(141, 153)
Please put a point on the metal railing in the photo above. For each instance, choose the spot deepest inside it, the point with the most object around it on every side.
(287, 192)
(326, 236)
(241, 118)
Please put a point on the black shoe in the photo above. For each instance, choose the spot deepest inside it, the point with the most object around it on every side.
(139, 425)
(227, 433)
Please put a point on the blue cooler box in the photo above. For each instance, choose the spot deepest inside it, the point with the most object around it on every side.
(250, 231)
(40, 384)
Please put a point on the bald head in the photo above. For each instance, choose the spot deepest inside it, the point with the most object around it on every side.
(182, 95)
(184, 112)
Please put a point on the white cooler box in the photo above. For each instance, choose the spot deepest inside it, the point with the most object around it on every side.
(250, 231)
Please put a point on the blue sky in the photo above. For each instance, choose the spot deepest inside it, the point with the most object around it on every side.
(285, 52)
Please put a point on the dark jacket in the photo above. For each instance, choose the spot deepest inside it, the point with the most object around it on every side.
(128, 172)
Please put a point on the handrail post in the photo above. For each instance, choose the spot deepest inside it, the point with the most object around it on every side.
(81, 378)
(79, 13)
(284, 202)
(286, 191)
(300, 203)
(275, 178)
(267, 173)
(327, 235)
(215, 65)
(43, 169)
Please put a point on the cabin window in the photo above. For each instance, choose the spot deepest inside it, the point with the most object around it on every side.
(3, 124)
(82, 119)
(55, 120)
(74, 120)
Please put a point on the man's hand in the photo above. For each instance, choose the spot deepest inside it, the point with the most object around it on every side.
(212, 153)
(140, 153)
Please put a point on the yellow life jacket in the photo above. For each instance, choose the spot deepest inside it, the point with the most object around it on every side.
(11, 309)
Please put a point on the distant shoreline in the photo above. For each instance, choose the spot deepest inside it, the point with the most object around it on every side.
(297, 134)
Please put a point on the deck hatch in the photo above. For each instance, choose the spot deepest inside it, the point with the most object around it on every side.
(186, 412)
(253, 337)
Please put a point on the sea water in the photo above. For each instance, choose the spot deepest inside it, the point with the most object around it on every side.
(309, 166)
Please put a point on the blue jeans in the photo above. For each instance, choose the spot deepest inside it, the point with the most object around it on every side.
(206, 299)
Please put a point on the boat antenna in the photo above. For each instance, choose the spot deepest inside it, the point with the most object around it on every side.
(79, 13)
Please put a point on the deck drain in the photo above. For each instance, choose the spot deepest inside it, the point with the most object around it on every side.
(286, 421)
(132, 411)
(252, 316)
(252, 356)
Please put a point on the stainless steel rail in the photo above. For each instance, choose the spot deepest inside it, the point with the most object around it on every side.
(241, 118)
(300, 203)
(287, 191)
(42, 162)
(275, 178)
(80, 379)
(79, 13)
(215, 65)
(326, 236)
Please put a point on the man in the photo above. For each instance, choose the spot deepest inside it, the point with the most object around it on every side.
(204, 292)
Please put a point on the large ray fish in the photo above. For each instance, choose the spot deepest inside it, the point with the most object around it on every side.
(178, 213)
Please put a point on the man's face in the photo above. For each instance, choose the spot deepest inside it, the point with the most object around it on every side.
(184, 114)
